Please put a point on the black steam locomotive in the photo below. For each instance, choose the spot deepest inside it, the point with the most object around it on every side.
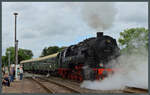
(87, 60)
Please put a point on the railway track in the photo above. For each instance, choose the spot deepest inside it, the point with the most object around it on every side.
(126, 90)
(135, 90)
(41, 79)
(66, 80)
(73, 90)
(43, 86)
(74, 87)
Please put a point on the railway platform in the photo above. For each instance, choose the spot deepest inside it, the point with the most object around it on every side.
(23, 86)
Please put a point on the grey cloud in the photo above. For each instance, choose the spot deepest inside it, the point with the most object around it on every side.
(47, 24)
(136, 12)
(29, 36)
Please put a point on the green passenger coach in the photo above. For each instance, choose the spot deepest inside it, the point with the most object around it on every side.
(42, 65)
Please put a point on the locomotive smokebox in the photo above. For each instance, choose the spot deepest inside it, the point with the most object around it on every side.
(99, 34)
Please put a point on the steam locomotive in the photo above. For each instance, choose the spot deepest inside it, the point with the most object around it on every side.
(87, 60)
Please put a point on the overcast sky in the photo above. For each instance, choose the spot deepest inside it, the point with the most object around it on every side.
(41, 25)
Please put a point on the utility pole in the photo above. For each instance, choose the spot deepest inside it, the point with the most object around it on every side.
(16, 44)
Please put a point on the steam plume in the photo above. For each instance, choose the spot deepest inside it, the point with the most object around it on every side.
(133, 72)
(99, 16)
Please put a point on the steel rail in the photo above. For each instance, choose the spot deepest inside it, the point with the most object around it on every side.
(135, 90)
(62, 85)
(43, 86)
(69, 81)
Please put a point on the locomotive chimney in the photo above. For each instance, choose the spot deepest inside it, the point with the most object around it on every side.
(99, 34)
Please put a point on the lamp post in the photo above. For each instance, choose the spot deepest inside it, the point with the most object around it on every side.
(9, 62)
(16, 44)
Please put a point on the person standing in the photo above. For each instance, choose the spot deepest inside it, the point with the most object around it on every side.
(21, 73)
(3, 71)
(14, 72)
(18, 73)
(11, 74)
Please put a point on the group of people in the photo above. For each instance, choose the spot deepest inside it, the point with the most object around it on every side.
(9, 77)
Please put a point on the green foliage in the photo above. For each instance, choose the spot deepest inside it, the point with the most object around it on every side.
(62, 48)
(23, 54)
(51, 50)
(12, 55)
(133, 38)
(4, 61)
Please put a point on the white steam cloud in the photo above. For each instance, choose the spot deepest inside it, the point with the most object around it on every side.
(133, 72)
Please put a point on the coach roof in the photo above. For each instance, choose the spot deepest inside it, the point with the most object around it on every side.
(40, 58)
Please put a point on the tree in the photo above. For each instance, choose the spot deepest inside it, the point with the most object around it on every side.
(4, 61)
(44, 52)
(134, 38)
(62, 48)
(23, 54)
(51, 50)
(12, 55)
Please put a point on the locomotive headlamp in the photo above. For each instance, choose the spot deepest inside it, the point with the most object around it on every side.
(108, 41)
